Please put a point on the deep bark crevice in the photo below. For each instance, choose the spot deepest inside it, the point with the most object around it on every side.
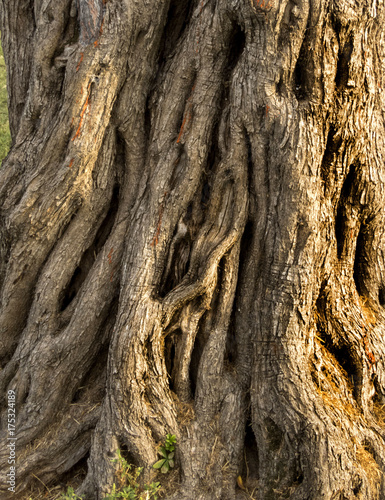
(178, 18)
(343, 70)
(231, 340)
(302, 68)
(236, 47)
(169, 350)
(347, 371)
(360, 262)
(381, 296)
(343, 228)
(333, 145)
(250, 464)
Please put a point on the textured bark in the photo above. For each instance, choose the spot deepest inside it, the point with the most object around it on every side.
(192, 218)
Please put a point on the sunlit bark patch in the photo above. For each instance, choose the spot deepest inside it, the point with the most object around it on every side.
(192, 243)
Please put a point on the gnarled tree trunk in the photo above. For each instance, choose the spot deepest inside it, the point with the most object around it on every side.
(192, 217)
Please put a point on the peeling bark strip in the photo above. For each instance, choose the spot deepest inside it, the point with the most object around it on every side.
(90, 16)
(187, 116)
(262, 4)
(83, 111)
(80, 61)
(204, 255)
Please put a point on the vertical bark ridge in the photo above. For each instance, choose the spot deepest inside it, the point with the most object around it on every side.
(137, 436)
(33, 215)
(287, 296)
(214, 184)
(18, 54)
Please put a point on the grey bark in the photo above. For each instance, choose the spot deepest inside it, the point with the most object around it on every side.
(191, 224)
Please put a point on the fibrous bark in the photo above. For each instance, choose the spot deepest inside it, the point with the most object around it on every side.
(191, 224)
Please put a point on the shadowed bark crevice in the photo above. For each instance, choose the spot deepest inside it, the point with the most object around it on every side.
(300, 71)
(342, 224)
(344, 56)
(345, 364)
(327, 169)
(360, 261)
(231, 341)
(178, 259)
(178, 18)
(250, 465)
(381, 296)
(170, 352)
(237, 43)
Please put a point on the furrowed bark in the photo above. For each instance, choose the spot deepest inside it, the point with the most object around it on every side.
(192, 215)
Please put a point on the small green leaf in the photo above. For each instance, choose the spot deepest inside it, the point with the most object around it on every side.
(165, 468)
(172, 463)
(159, 463)
(170, 441)
(162, 452)
(171, 455)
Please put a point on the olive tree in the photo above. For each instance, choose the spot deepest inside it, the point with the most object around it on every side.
(191, 242)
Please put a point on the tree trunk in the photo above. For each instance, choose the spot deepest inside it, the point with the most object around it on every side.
(192, 218)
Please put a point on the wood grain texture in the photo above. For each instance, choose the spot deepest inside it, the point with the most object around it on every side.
(191, 242)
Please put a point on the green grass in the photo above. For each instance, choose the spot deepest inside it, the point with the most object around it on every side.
(5, 137)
